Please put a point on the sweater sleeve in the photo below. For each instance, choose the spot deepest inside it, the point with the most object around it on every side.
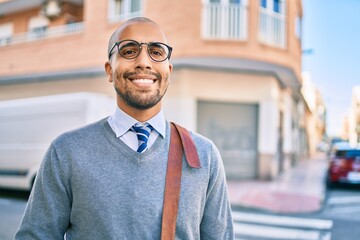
(47, 213)
(217, 220)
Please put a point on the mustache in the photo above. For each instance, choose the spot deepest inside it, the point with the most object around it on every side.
(128, 74)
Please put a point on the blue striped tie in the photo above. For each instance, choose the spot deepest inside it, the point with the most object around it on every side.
(142, 132)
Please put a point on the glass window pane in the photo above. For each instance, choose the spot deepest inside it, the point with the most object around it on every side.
(263, 3)
(119, 7)
(135, 6)
(278, 6)
(6, 30)
(214, 1)
(235, 1)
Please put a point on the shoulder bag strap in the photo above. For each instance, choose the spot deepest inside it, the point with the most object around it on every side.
(180, 141)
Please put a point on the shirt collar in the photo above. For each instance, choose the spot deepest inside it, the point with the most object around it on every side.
(122, 122)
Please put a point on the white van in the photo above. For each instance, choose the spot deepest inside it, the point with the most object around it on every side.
(27, 127)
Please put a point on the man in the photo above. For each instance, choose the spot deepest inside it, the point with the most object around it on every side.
(104, 182)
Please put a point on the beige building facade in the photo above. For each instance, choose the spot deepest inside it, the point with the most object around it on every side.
(236, 78)
(354, 117)
(315, 115)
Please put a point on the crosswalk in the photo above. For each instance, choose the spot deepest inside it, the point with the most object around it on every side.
(254, 226)
(343, 206)
(262, 226)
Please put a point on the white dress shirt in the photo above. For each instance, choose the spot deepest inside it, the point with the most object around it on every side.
(120, 122)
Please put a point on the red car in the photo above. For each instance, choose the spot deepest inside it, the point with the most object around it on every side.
(344, 165)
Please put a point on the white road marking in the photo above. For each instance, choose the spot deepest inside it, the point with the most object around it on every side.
(283, 221)
(344, 200)
(279, 233)
(339, 210)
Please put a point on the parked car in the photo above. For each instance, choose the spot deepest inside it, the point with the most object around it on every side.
(333, 142)
(344, 165)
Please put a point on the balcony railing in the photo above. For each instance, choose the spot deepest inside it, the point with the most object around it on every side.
(225, 21)
(44, 33)
(272, 29)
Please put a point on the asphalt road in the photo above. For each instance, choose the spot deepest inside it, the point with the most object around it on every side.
(12, 206)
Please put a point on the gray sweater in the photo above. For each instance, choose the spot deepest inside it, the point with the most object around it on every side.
(93, 186)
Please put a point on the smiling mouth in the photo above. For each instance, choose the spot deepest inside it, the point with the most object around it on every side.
(143, 81)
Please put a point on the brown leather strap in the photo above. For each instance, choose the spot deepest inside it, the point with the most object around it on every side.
(180, 140)
(172, 186)
(189, 147)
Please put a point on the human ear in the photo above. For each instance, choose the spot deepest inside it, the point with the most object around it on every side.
(108, 70)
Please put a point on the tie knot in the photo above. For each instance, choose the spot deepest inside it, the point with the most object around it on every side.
(143, 128)
(142, 131)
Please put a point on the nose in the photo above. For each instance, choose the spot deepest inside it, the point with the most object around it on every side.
(143, 61)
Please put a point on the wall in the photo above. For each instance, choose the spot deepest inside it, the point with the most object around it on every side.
(182, 27)
(189, 85)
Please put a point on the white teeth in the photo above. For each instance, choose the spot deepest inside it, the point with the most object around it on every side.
(143, 81)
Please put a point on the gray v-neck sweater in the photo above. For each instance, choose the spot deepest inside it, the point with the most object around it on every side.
(93, 186)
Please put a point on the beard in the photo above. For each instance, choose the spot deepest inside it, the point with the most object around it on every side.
(140, 100)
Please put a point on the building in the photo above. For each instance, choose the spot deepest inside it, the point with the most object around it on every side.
(315, 116)
(353, 120)
(237, 67)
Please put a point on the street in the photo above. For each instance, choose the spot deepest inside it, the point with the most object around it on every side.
(12, 206)
(339, 219)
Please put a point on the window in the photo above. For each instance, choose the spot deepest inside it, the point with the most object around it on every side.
(277, 6)
(225, 19)
(6, 31)
(348, 153)
(38, 27)
(263, 3)
(135, 6)
(121, 9)
(272, 22)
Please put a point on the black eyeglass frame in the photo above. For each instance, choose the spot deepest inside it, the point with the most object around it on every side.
(147, 44)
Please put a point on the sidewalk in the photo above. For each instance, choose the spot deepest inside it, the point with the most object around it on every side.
(299, 190)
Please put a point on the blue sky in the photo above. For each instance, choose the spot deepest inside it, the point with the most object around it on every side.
(331, 28)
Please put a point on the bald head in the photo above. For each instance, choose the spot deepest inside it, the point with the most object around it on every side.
(115, 36)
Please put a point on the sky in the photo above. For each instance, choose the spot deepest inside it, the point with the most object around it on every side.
(331, 29)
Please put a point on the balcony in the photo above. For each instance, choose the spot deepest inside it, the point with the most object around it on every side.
(272, 28)
(32, 20)
(33, 30)
(43, 33)
(225, 21)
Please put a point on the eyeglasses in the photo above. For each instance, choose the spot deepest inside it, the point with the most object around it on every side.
(130, 49)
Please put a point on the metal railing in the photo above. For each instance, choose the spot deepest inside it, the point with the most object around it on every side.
(272, 28)
(225, 21)
(44, 33)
